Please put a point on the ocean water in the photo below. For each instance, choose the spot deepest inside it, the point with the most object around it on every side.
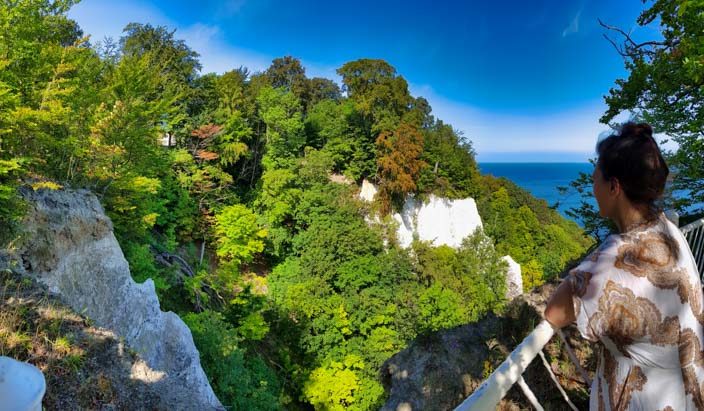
(542, 179)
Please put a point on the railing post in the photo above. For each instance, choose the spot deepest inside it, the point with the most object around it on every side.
(488, 395)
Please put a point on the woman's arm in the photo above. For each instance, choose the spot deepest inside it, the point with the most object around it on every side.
(560, 309)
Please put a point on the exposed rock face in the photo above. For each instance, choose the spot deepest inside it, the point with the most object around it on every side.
(443, 222)
(514, 281)
(368, 191)
(440, 221)
(70, 248)
(438, 371)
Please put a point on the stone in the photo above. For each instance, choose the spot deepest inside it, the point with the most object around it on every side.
(368, 191)
(514, 280)
(440, 221)
(70, 247)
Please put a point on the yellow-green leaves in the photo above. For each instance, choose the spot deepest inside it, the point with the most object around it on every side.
(238, 235)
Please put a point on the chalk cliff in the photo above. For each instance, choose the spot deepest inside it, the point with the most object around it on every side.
(70, 247)
(443, 222)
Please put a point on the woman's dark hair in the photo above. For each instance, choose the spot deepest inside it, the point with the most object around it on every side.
(633, 157)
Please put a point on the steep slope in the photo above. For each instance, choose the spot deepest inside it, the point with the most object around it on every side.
(438, 370)
(85, 367)
(69, 247)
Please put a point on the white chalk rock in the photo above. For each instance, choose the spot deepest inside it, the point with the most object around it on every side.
(440, 221)
(368, 191)
(71, 248)
(514, 281)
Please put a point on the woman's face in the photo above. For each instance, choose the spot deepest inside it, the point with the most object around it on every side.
(602, 190)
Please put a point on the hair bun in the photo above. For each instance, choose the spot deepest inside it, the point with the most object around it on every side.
(641, 131)
(633, 157)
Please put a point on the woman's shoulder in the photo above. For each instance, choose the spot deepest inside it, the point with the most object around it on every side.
(607, 248)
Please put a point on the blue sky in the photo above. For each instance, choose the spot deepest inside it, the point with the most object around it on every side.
(523, 80)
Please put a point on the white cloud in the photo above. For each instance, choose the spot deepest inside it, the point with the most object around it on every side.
(573, 27)
(216, 55)
(572, 131)
(230, 7)
(102, 18)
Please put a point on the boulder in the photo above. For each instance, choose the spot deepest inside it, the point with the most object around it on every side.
(368, 191)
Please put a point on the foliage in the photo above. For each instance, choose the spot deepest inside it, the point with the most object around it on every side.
(281, 112)
(238, 236)
(400, 164)
(664, 87)
(536, 236)
(10, 205)
(452, 170)
(294, 297)
(336, 127)
(241, 381)
(378, 93)
(333, 387)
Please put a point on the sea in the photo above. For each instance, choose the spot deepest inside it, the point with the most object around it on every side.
(542, 180)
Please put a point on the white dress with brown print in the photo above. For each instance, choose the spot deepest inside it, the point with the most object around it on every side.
(640, 296)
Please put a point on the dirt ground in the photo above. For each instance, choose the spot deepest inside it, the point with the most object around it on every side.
(86, 368)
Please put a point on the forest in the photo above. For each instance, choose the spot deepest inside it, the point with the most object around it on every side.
(293, 298)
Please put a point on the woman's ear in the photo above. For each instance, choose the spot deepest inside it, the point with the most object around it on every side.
(614, 187)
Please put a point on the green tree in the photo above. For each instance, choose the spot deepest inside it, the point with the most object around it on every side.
(241, 380)
(173, 58)
(335, 127)
(441, 308)
(288, 73)
(378, 92)
(323, 89)
(665, 87)
(281, 112)
(452, 171)
(333, 387)
(237, 233)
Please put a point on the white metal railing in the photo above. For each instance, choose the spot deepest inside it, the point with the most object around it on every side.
(510, 372)
(694, 233)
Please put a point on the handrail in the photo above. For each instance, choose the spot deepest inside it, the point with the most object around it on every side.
(694, 234)
(494, 388)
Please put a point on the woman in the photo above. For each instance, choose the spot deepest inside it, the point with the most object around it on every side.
(639, 294)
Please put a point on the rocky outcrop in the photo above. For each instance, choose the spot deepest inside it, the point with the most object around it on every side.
(368, 191)
(439, 370)
(70, 247)
(443, 222)
(439, 220)
(514, 280)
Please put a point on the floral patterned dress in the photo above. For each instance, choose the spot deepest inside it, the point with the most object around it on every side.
(639, 296)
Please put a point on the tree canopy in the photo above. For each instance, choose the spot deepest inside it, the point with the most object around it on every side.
(237, 194)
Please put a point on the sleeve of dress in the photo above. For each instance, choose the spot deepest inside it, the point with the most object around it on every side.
(587, 280)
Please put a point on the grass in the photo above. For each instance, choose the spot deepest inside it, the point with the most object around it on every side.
(84, 367)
